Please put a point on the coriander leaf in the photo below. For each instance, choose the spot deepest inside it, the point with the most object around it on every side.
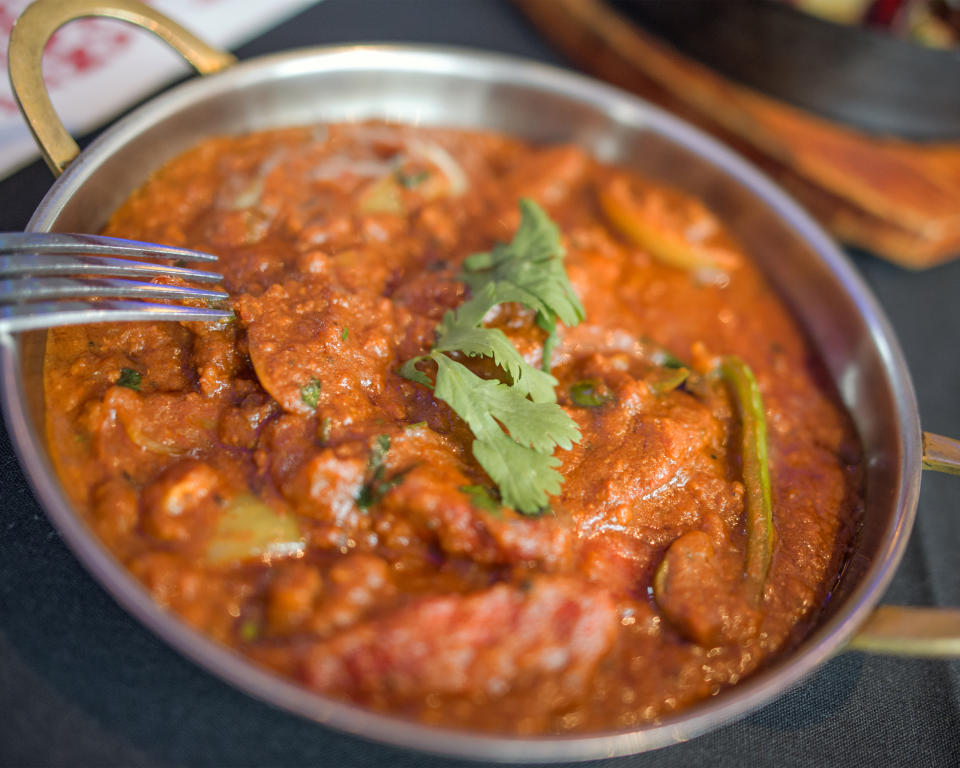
(310, 393)
(517, 426)
(484, 402)
(130, 379)
(346, 332)
(521, 463)
(410, 371)
(549, 344)
(531, 263)
(525, 477)
(461, 331)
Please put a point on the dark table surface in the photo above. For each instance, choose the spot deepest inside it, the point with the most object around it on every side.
(81, 683)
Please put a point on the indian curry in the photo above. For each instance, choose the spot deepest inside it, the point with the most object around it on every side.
(497, 437)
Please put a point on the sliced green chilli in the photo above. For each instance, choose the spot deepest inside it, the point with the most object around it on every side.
(756, 473)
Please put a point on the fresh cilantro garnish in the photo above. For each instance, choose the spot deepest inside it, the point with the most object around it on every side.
(528, 270)
(346, 332)
(310, 392)
(461, 331)
(130, 379)
(590, 393)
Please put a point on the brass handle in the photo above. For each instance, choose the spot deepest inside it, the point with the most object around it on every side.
(36, 26)
(941, 454)
(906, 630)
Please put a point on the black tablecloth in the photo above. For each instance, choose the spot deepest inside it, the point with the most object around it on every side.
(81, 683)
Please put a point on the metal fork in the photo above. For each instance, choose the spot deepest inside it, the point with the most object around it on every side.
(38, 271)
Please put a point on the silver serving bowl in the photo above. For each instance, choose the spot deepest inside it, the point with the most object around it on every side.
(448, 87)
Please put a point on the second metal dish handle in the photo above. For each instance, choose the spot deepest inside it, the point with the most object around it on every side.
(909, 631)
(36, 26)
(941, 454)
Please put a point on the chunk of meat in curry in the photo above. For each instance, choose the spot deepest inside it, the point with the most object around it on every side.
(275, 482)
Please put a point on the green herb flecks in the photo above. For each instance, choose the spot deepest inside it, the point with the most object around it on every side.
(310, 393)
(379, 453)
(590, 393)
(461, 331)
(481, 498)
(346, 332)
(517, 426)
(529, 270)
(130, 379)
(378, 485)
(411, 180)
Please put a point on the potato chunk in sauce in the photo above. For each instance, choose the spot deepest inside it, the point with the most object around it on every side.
(277, 484)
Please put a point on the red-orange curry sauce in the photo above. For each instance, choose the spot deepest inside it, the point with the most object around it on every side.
(224, 464)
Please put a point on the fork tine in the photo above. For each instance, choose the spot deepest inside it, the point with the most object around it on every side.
(28, 242)
(28, 317)
(62, 264)
(29, 289)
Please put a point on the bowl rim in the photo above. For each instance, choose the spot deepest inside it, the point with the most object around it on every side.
(758, 689)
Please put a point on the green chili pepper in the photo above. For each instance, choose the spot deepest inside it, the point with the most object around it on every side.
(756, 472)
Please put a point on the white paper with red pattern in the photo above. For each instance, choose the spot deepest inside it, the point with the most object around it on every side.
(94, 68)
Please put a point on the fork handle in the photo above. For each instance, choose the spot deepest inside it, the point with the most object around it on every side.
(36, 26)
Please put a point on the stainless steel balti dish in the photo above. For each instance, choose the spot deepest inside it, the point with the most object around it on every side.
(439, 86)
